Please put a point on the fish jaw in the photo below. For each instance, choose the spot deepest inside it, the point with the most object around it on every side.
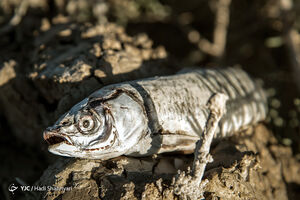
(59, 144)
(53, 138)
(63, 149)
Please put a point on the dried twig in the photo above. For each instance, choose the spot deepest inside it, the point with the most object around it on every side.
(190, 185)
(292, 40)
(217, 107)
(215, 48)
(17, 18)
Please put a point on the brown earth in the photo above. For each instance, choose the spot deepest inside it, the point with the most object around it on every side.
(61, 51)
(250, 166)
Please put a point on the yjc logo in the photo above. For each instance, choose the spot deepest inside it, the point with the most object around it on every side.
(12, 188)
(25, 188)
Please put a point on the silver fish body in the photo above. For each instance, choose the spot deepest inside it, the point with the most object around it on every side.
(155, 115)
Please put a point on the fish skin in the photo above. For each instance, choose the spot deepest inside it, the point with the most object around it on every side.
(155, 115)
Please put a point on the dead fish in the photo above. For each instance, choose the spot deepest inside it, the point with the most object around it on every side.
(155, 115)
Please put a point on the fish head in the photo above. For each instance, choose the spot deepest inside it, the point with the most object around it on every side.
(97, 128)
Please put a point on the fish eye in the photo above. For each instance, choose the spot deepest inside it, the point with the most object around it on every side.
(86, 124)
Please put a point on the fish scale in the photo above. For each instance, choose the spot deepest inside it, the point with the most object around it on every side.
(189, 92)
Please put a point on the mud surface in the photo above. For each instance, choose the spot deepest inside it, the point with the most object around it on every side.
(55, 53)
(244, 168)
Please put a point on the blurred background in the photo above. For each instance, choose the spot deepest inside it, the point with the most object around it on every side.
(261, 36)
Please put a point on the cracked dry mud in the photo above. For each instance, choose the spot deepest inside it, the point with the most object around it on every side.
(246, 167)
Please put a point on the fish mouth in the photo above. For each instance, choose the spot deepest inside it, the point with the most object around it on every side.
(55, 138)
